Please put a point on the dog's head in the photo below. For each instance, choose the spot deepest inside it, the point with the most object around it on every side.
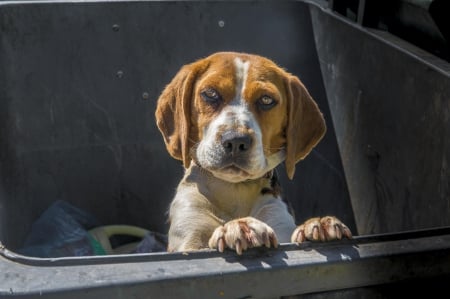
(238, 116)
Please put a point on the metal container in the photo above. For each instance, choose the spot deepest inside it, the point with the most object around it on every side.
(78, 87)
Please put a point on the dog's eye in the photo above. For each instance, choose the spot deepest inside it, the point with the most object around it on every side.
(211, 96)
(266, 102)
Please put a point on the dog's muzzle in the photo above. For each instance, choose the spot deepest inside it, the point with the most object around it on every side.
(236, 144)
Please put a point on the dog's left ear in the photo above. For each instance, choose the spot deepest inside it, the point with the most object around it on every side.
(173, 113)
(306, 125)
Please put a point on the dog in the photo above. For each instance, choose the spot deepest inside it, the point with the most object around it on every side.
(231, 118)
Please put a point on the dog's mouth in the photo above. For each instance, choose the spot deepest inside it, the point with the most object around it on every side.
(234, 173)
(235, 170)
(251, 165)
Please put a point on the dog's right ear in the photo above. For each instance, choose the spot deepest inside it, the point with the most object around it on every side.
(173, 112)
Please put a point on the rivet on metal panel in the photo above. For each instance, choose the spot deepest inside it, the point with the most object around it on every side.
(145, 95)
(221, 23)
(115, 27)
(119, 74)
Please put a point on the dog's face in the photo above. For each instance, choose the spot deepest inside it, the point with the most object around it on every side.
(238, 116)
(239, 112)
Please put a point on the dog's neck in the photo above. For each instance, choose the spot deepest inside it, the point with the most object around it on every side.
(268, 183)
(228, 196)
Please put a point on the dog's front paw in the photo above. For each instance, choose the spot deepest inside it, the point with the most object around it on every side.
(321, 229)
(241, 234)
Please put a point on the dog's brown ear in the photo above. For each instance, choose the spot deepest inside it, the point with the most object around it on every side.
(306, 125)
(173, 113)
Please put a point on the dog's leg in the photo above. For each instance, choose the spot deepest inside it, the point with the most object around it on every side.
(321, 229)
(269, 223)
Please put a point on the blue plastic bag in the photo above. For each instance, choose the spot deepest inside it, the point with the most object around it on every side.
(62, 230)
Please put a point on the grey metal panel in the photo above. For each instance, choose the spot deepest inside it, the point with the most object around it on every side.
(91, 145)
(390, 104)
(289, 270)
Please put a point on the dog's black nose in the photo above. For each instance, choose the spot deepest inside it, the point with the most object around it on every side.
(235, 143)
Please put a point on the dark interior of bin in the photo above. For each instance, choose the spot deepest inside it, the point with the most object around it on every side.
(79, 84)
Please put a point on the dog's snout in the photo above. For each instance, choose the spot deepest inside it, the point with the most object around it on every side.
(236, 143)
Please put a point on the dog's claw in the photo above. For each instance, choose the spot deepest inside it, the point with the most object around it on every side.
(338, 232)
(299, 235)
(238, 247)
(347, 233)
(315, 232)
(321, 229)
(221, 245)
(274, 240)
(266, 239)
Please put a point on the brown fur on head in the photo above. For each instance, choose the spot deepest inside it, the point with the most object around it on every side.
(294, 124)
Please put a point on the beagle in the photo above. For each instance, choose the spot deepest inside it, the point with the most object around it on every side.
(231, 118)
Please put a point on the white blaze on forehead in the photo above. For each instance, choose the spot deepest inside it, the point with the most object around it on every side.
(237, 112)
(241, 76)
